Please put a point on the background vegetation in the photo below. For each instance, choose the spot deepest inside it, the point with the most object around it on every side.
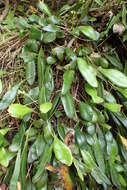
(63, 89)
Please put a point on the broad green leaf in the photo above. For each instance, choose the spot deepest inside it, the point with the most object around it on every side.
(62, 152)
(86, 111)
(34, 18)
(80, 139)
(30, 72)
(89, 32)
(113, 107)
(28, 56)
(87, 71)
(60, 130)
(115, 76)
(49, 37)
(16, 172)
(0, 86)
(4, 131)
(93, 93)
(46, 107)
(9, 97)
(19, 110)
(35, 33)
(68, 104)
(41, 67)
(44, 8)
(45, 158)
(51, 28)
(68, 78)
(31, 46)
(114, 60)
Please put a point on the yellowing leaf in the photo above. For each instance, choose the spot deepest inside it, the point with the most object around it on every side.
(68, 185)
(124, 141)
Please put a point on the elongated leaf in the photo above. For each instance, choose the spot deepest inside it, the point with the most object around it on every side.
(89, 32)
(115, 76)
(44, 159)
(36, 149)
(113, 107)
(62, 152)
(68, 79)
(49, 82)
(87, 71)
(16, 172)
(24, 164)
(44, 8)
(41, 68)
(98, 152)
(17, 140)
(19, 110)
(9, 97)
(68, 104)
(76, 164)
(0, 86)
(30, 72)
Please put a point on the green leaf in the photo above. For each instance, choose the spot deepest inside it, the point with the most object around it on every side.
(41, 67)
(93, 93)
(68, 79)
(32, 95)
(31, 46)
(113, 107)
(99, 155)
(45, 158)
(36, 149)
(35, 33)
(19, 110)
(16, 172)
(49, 82)
(0, 86)
(124, 14)
(87, 71)
(68, 104)
(51, 60)
(59, 52)
(49, 37)
(77, 165)
(89, 32)
(86, 111)
(46, 107)
(4, 161)
(88, 159)
(62, 152)
(115, 76)
(123, 91)
(24, 164)
(30, 72)
(51, 28)
(44, 8)
(9, 97)
(17, 140)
